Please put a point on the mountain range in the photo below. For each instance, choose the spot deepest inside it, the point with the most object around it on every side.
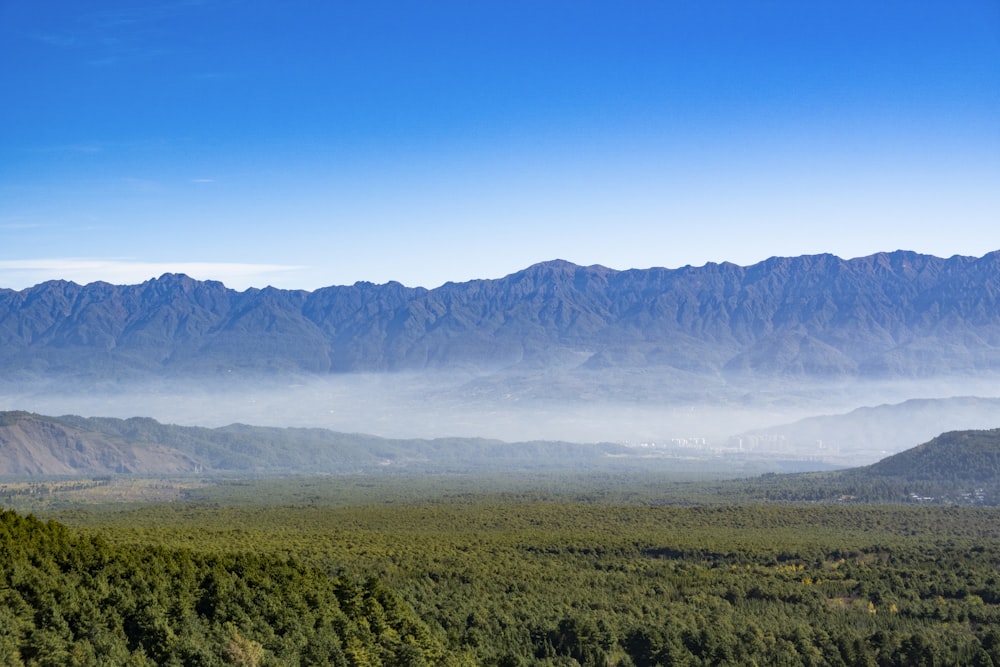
(889, 315)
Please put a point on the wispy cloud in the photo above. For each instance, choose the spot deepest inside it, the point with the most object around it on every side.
(20, 226)
(96, 146)
(22, 273)
(125, 33)
(128, 17)
(216, 76)
(134, 184)
(81, 147)
(62, 41)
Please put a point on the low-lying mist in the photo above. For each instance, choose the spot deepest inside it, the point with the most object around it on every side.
(706, 413)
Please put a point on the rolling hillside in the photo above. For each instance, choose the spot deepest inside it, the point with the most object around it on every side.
(35, 445)
(954, 468)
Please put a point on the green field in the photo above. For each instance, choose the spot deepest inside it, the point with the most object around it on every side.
(486, 571)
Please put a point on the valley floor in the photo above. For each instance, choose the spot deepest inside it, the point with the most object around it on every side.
(535, 574)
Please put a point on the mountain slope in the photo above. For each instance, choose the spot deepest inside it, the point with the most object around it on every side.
(869, 433)
(898, 314)
(954, 468)
(32, 444)
(959, 457)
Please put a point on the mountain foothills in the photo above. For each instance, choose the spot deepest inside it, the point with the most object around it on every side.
(32, 444)
(954, 468)
(890, 315)
(957, 467)
(295, 572)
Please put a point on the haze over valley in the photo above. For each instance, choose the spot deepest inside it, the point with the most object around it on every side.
(440, 221)
(719, 357)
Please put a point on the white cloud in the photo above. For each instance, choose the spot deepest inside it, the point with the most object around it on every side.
(21, 273)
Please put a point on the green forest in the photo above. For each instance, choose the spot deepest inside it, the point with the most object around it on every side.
(467, 571)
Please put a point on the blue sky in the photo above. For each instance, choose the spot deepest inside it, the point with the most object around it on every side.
(306, 143)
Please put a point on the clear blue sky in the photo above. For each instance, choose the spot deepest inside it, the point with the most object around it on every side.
(309, 143)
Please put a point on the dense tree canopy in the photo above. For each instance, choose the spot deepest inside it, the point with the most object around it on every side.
(292, 573)
(71, 600)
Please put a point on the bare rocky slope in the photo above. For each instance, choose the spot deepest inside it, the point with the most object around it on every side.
(890, 315)
(33, 445)
(38, 445)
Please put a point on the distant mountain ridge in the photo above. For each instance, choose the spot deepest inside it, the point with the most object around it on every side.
(37, 445)
(869, 433)
(898, 314)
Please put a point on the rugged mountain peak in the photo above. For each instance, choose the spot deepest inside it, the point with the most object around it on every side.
(886, 315)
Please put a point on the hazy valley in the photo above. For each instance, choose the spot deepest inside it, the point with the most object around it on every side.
(569, 466)
(720, 355)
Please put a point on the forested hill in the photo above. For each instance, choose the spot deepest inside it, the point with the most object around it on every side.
(960, 457)
(957, 467)
(897, 314)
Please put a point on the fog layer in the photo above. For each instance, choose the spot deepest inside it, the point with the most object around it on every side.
(712, 415)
